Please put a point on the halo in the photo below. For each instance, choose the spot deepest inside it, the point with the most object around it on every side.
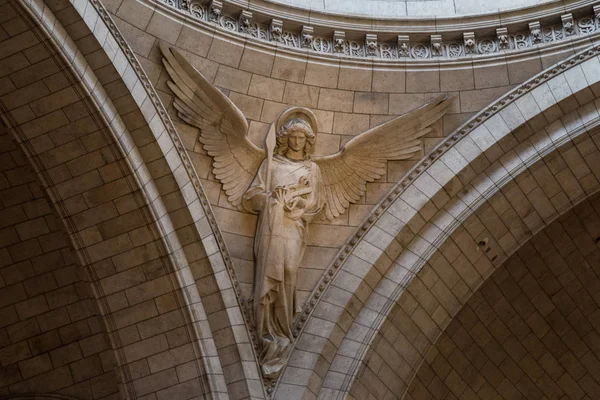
(298, 112)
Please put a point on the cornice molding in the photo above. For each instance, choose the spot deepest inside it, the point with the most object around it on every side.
(422, 24)
(408, 40)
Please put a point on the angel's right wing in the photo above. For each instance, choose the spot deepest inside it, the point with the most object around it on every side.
(364, 158)
(223, 127)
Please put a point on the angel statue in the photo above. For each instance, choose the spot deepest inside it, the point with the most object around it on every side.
(286, 185)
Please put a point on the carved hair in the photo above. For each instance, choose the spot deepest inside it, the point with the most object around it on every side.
(298, 124)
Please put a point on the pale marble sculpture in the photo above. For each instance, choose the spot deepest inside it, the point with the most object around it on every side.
(286, 186)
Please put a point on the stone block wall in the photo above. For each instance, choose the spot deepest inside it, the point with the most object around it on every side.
(136, 218)
(452, 246)
(78, 121)
(52, 338)
(348, 98)
(531, 331)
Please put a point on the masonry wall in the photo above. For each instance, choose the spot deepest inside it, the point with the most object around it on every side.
(90, 181)
(496, 227)
(52, 338)
(348, 98)
(128, 256)
(531, 331)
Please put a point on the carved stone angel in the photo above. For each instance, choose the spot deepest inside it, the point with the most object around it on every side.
(286, 185)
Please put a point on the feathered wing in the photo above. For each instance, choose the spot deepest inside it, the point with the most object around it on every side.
(364, 158)
(223, 127)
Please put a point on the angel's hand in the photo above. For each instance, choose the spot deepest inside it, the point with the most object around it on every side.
(298, 202)
(279, 193)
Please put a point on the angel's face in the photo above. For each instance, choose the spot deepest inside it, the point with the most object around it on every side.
(296, 139)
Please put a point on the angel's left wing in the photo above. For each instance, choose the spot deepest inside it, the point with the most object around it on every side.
(364, 158)
(223, 127)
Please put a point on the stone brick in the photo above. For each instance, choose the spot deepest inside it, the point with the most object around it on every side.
(35, 366)
(145, 348)
(23, 330)
(53, 319)
(12, 294)
(44, 343)
(65, 355)
(75, 331)
(32, 307)
(94, 344)
(86, 368)
(61, 297)
(14, 353)
(51, 381)
(40, 284)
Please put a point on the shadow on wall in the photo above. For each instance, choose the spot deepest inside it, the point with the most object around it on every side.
(37, 396)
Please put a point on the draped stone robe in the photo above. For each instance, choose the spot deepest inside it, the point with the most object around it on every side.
(279, 245)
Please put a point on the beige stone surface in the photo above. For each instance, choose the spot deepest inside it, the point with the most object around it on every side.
(53, 336)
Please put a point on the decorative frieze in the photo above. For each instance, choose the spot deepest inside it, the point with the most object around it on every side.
(339, 41)
(245, 21)
(215, 11)
(276, 30)
(502, 36)
(469, 42)
(403, 46)
(305, 38)
(536, 32)
(436, 45)
(568, 24)
(371, 44)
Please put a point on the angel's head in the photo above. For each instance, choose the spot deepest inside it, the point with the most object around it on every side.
(296, 136)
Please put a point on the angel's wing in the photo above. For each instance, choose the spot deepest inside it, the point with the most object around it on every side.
(223, 127)
(364, 158)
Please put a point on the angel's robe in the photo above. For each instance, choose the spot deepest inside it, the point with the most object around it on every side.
(279, 244)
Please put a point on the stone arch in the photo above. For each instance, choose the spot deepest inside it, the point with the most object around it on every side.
(128, 196)
(530, 329)
(552, 112)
